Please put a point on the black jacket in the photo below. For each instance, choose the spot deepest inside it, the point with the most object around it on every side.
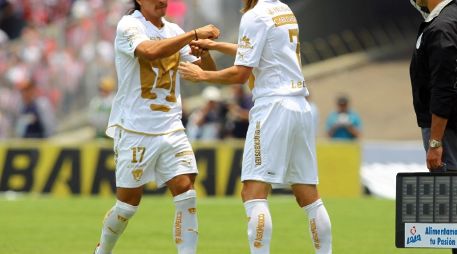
(433, 69)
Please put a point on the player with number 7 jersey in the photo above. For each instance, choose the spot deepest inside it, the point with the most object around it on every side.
(280, 143)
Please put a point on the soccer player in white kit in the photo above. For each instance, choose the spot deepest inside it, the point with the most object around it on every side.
(280, 143)
(145, 121)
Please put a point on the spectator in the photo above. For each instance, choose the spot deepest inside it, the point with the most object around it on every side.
(100, 106)
(10, 21)
(36, 119)
(238, 112)
(206, 122)
(343, 123)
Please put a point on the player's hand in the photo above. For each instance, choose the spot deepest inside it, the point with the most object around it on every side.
(204, 44)
(198, 51)
(208, 32)
(434, 156)
(190, 71)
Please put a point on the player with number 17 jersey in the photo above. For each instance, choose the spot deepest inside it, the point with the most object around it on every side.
(148, 100)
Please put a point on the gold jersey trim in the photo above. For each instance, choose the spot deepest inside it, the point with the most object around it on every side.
(251, 82)
(144, 133)
(184, 153)
(157, 107)
(285, 19)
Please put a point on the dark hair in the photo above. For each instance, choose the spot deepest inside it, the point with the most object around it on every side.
(137, 5)
(342, 100)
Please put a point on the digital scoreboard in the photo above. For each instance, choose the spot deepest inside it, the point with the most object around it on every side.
(426, 210)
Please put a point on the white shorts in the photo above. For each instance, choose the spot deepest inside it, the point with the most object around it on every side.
(141, 159)
(280, 143)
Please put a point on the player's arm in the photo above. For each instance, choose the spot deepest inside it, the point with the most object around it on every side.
(223, 47)
(151, 49)
(237, 74)
(206, 62)
(443, 97)
(434, 155)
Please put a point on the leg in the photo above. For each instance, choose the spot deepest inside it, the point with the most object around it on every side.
(319, 222)
(185, 228)
(117, 218)
(260, 227)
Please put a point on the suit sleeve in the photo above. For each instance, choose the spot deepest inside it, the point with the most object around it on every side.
(443, 72)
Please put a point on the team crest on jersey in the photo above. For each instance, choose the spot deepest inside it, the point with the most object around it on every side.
(131, 33)
(137, 174)
(245, 43)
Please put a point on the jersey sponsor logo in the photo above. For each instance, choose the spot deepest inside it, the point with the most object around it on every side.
(155, 38)
(278, 9)
(316, 240)
(285, 19)
(137, 174)
(297, 84)
(245, 43)
(257, 148)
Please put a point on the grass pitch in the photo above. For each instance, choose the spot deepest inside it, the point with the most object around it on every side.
(45, 225)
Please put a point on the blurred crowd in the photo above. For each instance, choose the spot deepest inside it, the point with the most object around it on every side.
(220, 116)
(57, 58)
(63, 48)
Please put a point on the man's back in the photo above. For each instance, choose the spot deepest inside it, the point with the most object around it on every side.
(268, 41)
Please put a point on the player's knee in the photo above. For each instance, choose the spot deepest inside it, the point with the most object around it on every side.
(180, 185)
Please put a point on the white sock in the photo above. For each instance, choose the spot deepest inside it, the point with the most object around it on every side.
(260, 226)
(114, 224)
(185, 228)
(319, 227)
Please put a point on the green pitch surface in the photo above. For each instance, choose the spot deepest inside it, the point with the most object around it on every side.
(35, 225)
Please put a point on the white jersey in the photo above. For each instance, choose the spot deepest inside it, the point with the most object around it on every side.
(268, 42)
(148, 99)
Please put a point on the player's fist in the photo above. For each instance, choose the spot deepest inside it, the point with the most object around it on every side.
(208, 32)
(198, 52)
(203, 44)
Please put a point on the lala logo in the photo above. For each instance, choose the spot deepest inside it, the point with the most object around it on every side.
(413, 238)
